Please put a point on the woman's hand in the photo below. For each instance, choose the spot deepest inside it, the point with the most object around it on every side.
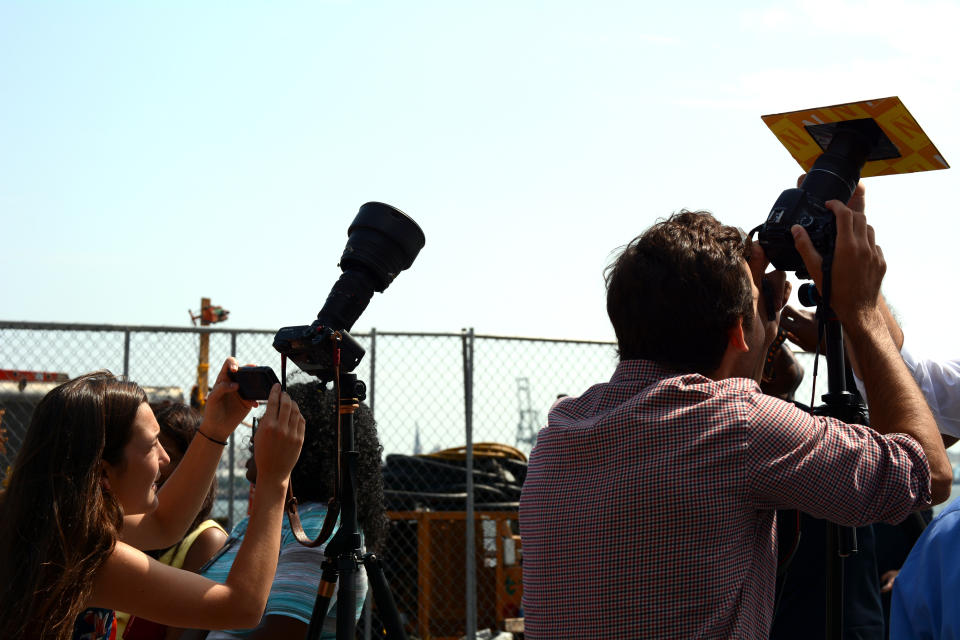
(225, 408)
(276, 446)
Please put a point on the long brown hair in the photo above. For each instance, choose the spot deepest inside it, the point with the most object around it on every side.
(57, 523)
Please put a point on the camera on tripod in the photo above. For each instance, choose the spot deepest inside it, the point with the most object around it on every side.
(382, 241)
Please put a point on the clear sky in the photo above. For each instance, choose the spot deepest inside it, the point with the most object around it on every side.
(153, 153)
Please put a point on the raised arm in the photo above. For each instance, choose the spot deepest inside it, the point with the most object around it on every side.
(131, 581)
(180, 500)
(896, 403)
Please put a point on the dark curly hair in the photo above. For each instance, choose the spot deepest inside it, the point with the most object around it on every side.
(179, 423)
(675, 290)
(314, 475)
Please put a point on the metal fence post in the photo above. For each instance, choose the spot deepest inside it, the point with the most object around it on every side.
(471, 564)
(373, 368)
(231, 454)
(126, 353)
(367, 610)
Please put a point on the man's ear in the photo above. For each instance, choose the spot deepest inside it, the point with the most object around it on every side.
(735, 336)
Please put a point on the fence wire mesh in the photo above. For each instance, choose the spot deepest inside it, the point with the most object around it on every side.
(416, 388)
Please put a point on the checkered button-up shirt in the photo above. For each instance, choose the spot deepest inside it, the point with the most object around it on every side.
(648, 508)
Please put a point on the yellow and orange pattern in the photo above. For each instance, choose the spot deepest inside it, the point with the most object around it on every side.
(917, 152)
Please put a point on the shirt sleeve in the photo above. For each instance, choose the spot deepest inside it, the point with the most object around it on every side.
(939, 381)
(845, 473)
(922, 603)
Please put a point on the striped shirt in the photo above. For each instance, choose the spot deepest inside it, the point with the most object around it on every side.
(648, 508)
(294, 587)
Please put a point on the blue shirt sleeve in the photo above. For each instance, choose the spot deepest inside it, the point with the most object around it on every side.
(929, 580)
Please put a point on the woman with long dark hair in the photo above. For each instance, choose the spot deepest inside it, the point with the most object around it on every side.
(82, 501)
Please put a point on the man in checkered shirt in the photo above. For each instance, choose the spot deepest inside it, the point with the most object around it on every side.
(649, 506)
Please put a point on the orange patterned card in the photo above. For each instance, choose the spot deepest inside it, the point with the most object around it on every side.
(905, 150)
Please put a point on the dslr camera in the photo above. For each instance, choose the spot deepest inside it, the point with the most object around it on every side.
(834, 176)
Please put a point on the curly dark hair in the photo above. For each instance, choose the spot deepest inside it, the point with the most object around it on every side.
(314, 475)
(676, 289)
(179, 423)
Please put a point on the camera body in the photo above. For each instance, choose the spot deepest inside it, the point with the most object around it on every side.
(797, 207)
(308, 346)
(255, 382)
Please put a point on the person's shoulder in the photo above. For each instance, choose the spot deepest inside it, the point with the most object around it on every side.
(932, 554)
(203, 547)
(945, 527)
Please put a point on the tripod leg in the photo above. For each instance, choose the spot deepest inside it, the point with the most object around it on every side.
(325, 591)
(386, 607)
(347, 599)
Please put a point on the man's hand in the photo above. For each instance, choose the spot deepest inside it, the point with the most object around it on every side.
(774, 292)
(887, 579)
(858, 264)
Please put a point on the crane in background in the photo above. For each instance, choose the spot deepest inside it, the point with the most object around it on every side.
(529, 422)
(209, 314)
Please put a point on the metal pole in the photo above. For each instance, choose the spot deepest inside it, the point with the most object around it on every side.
(373, 368)
(231, 490)
(367, 609)
(471, 565)
(126, 353)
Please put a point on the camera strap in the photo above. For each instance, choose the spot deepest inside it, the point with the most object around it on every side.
(296, 527)
(290, 505)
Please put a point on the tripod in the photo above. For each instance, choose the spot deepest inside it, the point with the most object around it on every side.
(843, 405)
(343, 553)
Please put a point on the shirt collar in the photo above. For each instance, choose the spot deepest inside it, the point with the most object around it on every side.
(646, 372)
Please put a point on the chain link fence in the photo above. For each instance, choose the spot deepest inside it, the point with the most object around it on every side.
(443, 403)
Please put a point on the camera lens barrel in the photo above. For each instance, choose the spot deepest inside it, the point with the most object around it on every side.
(382, 241)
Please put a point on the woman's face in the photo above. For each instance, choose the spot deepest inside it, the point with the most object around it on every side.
(134, 481)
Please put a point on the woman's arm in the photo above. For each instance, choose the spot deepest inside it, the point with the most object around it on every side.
(132, 581)
(180, 501)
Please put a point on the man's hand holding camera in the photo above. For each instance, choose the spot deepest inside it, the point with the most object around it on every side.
(857, 270)
(774, 291)
(856, 273)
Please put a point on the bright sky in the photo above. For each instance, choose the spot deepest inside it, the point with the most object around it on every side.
(153, 153)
